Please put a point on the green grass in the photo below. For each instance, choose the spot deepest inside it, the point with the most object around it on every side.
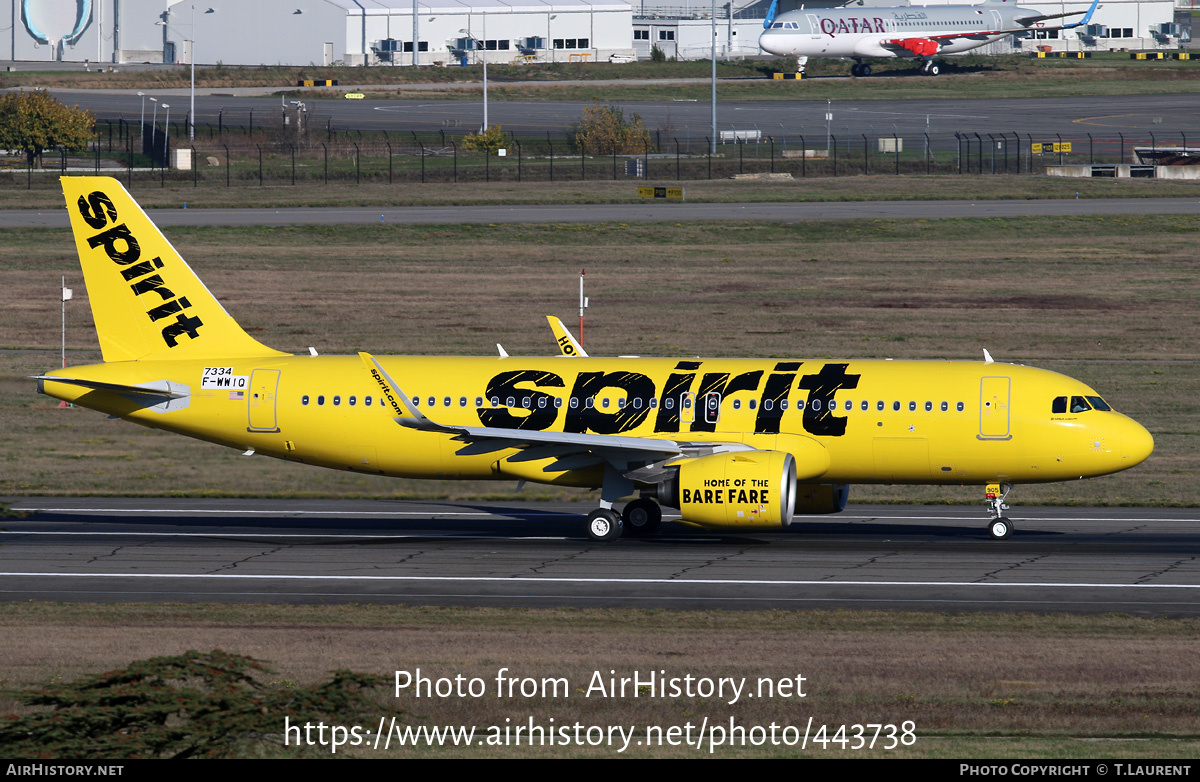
(1112, 301)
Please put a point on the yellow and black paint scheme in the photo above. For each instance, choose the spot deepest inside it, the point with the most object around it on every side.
(731, 443)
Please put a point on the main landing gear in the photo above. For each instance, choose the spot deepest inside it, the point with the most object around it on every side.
(860, 68)
(931, 68)
(1000, 528)
(641, 517)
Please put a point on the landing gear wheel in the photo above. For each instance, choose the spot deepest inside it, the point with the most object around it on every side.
(864, 70)
(1000, 529)
(933, 69)
(642, 517)
(603, 525)
(856, 69)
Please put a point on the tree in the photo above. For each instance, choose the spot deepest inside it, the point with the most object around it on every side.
(603, 130)
(197, 704)
(34, 121)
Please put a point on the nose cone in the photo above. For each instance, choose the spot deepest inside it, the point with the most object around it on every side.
(773, 42)
(1137, 443)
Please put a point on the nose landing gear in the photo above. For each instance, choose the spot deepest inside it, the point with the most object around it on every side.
(1000, 528)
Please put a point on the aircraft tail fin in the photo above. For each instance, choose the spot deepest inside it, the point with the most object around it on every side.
(146, 301)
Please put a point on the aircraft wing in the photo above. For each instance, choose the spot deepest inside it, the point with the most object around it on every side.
(571, 450)
(928, 45)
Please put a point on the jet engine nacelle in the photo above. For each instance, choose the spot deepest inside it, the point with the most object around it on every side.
(817, 498)
(738, 489)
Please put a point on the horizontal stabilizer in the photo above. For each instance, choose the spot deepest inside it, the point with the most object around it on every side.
(159, 388)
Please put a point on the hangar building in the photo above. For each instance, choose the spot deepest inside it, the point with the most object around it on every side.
(385, 32)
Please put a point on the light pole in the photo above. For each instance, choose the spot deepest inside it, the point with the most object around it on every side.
(142, 121)
(192, 61)
(713, 142)
(482, 45)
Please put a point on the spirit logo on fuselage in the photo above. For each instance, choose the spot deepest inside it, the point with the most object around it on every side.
(516, 402)
(123, 249)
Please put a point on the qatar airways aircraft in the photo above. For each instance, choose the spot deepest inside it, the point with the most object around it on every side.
(916, 32)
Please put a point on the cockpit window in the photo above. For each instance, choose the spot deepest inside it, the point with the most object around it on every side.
(1079, 405)
(777, 26)
(1060, 405)
(1099, 403)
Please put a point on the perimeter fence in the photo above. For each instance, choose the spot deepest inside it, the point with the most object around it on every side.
(262, 154)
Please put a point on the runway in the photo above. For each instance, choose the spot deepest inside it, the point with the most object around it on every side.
(1072, 560)
(635, 213)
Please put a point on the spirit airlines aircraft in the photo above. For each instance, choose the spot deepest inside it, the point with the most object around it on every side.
(918, 32)
(731, 443)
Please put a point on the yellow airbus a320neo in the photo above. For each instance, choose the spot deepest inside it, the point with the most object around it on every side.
(731, 443)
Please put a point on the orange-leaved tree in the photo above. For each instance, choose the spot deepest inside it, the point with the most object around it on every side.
(34, 121)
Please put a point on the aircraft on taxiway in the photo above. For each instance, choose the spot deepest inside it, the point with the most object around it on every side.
(911, 31)
(731, 443)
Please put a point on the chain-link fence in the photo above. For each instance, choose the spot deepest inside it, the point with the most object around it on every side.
(280, 153)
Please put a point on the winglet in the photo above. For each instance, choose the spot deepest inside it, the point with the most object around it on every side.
(1086, 17)
(566, 342)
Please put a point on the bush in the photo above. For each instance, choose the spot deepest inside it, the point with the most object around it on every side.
(603, 130)
(197, 704)
(491, 140)
(657, 54)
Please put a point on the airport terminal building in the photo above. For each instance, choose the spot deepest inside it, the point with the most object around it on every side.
(451, 32)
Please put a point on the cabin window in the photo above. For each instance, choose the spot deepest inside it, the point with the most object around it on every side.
(959, 407)
(479, 401)
(928, 407)
(865, 406)
(321, 400)
(526, 402)
(621, 404)
(879, 405)
(799, 404)
(669, 402)
(541, 401)
(495, 401)
(752, 404)
(1079, 404)
(1099, 403)
(604, 403)
(912, 406)
(433, 401)
(304, 400)
(945, 406)
(462, 401)
(589, 403)
(637, 403)
(353, 400)
(849, 405)
(768, 404)
(446, 402)
(337, 400)
(512, 402)
(574, 403)
(367, 400)
(896, 407)
(1058, 406)
(737, 404)
(653, 403)
(416, 400)
(557, 402)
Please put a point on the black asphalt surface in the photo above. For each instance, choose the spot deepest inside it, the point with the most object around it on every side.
(1072, 560)
(1166, 116)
